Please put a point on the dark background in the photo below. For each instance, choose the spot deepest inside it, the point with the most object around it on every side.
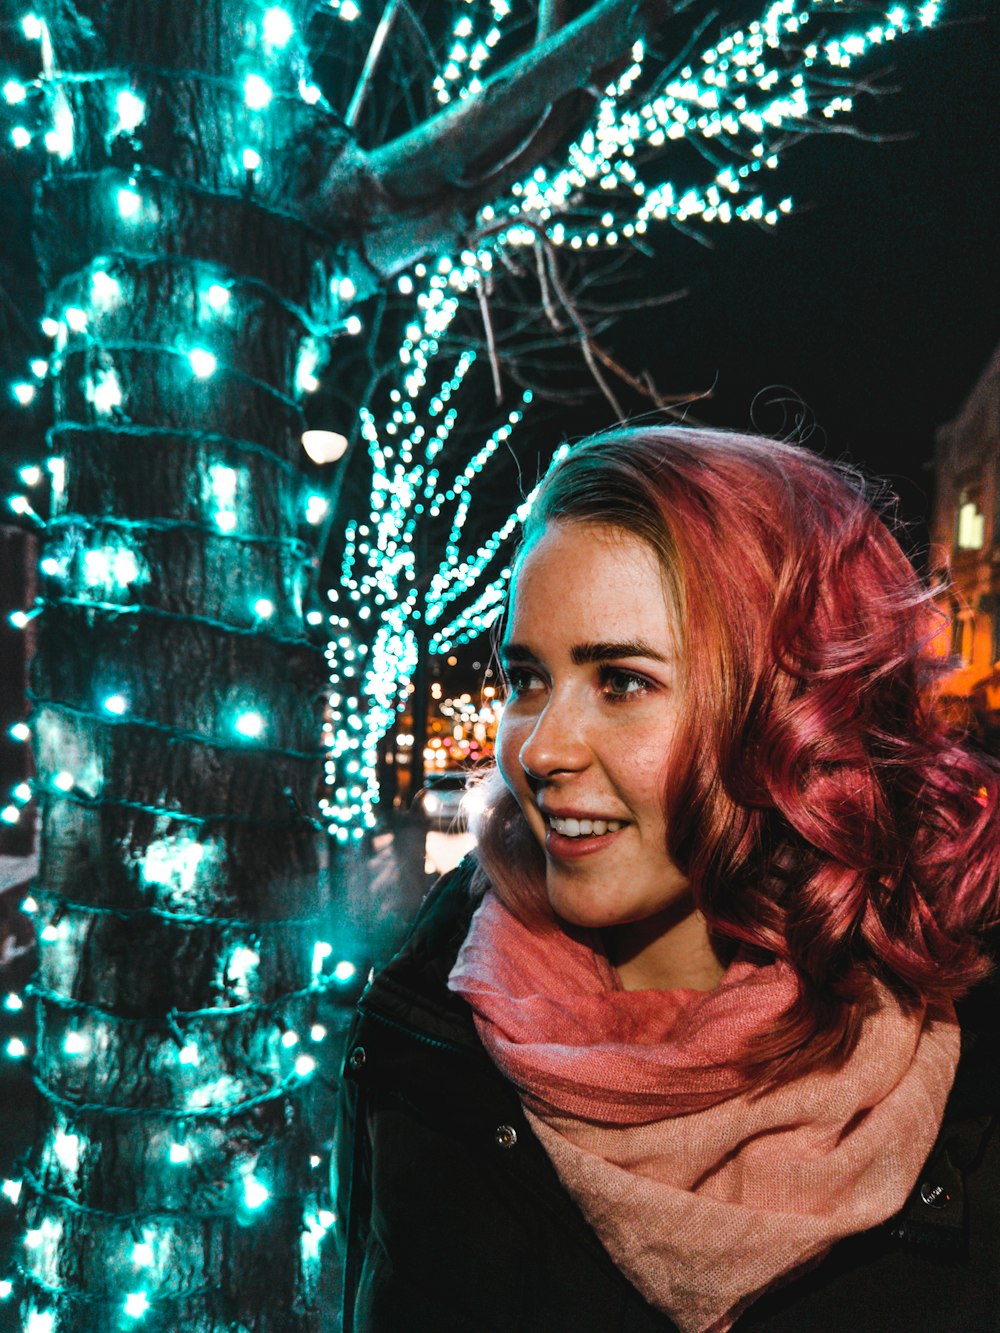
(871, 310)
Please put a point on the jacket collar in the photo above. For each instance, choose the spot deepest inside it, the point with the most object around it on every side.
(412, 989)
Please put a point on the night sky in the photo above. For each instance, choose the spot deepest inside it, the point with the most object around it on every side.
(873, 307)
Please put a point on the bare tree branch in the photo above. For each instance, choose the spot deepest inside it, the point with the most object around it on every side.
(371, 60)
(436, 156)
(491, 342)
(412, 194)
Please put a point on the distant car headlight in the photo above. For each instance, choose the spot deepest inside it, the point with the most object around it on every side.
(432, 803)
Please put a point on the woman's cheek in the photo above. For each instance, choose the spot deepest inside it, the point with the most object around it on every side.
(508, 745)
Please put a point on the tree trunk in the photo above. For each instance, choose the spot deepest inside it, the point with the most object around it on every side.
(176, 695)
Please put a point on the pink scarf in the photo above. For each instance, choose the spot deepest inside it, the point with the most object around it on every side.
(703, 1196)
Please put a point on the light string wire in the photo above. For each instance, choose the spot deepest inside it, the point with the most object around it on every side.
(176, 917)
(291, 544)
(165, 349)
(173, 733)
(127, 430)
(140, 609)
(222, 817)
(138, 260)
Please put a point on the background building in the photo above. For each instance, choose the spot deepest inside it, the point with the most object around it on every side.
(966, 546)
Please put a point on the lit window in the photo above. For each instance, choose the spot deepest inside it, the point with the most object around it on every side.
(971, 526)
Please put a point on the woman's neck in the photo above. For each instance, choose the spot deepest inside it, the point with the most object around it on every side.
(659, 954)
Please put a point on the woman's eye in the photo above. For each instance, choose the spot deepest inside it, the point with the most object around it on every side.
(520, 679)
(618, 683)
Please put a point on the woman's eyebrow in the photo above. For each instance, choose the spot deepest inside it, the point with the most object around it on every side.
(516, 652)
(583, 654)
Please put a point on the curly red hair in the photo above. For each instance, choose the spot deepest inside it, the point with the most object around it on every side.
(820, 804)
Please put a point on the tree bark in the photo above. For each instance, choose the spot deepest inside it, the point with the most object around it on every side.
(144, 955)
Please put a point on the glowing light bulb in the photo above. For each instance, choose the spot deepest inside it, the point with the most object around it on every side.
(289, 1039)
(321, 951)
(76, 1043)
(218, 296)
(64, 781)
(317, 1032)
(131, 111)
(324, 446)
(12, 1190)
(188, 1055)
(16, 1048)
(67, 1149)
(105, 288)
(264, 608)
(129, 202)
(278, 27)
(13, 1002)
(50, 327)
(24, 393)
(179, 1152)
(22, 791)
(349, 11)
(136, 1304)
(116, 704)
(250, 724)
(257, 92)
(255, 1192)
(304, 1066)
(317, 508)
(225, 520)
(344, 971)
(18, 619)
(32, 26)
(142, 1254)
(76, 318)
(251, 159)
(31, 476)
(20, 136)
(353, 325)
(203, 363)
(309, 93)
(10, 814)
(105, 391)
(346, 289)
(14, 92)
(39, 369)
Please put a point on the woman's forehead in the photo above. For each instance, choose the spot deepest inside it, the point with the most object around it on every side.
(593, 582)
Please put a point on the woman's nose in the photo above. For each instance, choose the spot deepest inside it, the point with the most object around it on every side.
(557, 741)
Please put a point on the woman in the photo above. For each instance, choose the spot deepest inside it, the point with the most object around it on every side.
(679, 1049)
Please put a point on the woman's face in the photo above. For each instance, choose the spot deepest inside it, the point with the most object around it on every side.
(590, 656)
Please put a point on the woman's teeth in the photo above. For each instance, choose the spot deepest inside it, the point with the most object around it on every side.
(585, 828)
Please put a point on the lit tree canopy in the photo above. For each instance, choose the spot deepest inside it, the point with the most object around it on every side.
(252, 221)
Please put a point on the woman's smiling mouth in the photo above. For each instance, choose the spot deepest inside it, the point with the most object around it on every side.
(584, 828)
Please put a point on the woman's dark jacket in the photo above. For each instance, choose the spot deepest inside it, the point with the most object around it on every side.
(452, 1219)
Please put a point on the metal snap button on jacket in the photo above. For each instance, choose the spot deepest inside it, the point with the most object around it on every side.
(357, 1058)
(506, 1136)
(934, 1196)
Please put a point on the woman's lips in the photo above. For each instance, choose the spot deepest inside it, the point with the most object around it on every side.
(571, 849)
